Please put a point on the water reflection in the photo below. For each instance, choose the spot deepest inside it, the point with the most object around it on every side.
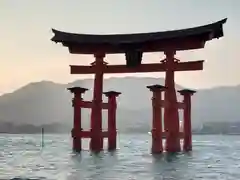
(169, 166)
(93, 165)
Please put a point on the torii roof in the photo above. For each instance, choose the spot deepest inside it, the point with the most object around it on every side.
(184, 39)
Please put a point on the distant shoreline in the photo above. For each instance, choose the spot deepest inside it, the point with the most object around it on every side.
(68, 133)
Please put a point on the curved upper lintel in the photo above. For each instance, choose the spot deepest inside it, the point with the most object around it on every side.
(183, 39)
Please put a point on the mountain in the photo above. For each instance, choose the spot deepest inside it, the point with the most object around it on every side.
(48, 103)
(220, 104)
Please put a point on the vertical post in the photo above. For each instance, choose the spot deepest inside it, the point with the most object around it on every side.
(157, 90)
(42, 137)
(171, 116)
(112, 130)
(187, 127)
(77, 127)
(96, 142)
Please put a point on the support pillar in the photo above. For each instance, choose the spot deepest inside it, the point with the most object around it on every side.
(112, 130)
(77, 128)
(171, 116)
(187, 127)
(96, 142)
(157, 146)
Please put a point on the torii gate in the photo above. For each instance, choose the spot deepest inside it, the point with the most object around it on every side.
(134, 45)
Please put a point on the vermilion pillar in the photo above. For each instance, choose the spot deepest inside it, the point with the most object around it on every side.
(112, 130)
(96, 142)
(187, 127)
(157, 90)
(171, 117)
(77, 128)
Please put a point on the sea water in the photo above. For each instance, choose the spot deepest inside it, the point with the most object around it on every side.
(22, 156)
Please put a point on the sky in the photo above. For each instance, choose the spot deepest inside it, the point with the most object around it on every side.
(28, 55)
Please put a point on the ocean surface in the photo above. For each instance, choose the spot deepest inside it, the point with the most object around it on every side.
(213, 157)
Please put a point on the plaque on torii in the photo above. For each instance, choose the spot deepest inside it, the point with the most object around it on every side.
(133, 46)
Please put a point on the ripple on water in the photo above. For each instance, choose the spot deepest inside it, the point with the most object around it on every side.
(213, 157)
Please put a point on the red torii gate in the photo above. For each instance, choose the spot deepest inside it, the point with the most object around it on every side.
(134, 45)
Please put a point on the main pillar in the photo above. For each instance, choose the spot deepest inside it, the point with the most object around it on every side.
(96, 142)
(77, 127)
(187, 127)
(112, 129)
(171, 116)
(157, 146)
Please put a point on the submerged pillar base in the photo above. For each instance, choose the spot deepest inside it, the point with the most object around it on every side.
(112, 141)
(157, 147)
(77, 145)
(173, 143)
(96, 143)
